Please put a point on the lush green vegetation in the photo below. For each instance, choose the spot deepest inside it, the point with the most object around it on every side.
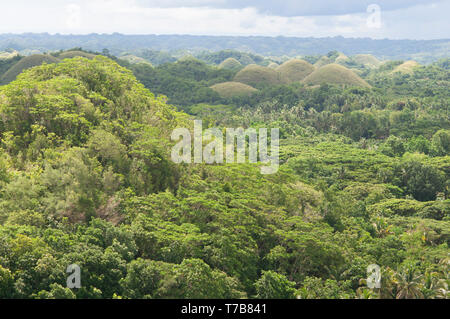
(86, 178)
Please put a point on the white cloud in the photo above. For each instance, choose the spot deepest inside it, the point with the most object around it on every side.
(136, 17)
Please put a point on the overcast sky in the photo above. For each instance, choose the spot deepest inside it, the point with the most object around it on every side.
(395, 19)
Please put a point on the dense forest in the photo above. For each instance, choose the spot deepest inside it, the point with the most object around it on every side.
(86, 176)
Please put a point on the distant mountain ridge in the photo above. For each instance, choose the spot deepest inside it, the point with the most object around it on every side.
(423, 51)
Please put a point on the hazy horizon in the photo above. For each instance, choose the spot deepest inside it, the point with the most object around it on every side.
(208, 35)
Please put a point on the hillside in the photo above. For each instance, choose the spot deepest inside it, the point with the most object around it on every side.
(7, 63)
(335, 74)
(231, 89)
(295, 70)
(230, 64)
(406, 67)
(367, 60)
(26, 63)
(134, 59)
(87, 177)
(73, 54)
(218, 57)
(342, 59)
(322, 62)
(256, 74)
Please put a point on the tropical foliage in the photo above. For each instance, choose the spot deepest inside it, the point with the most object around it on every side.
(86, 178)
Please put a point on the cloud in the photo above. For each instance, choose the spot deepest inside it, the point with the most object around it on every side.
(219, 17)
(131, 18)
(291, 8)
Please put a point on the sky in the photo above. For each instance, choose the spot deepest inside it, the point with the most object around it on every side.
(379, 19)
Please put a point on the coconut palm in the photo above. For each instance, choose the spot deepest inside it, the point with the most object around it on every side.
(409, 284)
(434, 286)
(444, 282)
(382, 229)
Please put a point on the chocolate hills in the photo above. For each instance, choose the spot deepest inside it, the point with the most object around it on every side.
(255, 74)
(231, 89)
(335, 74)
(295, 70)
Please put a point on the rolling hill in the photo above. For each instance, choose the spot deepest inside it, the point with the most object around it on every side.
(406, 68)
(254, 74)
(230, 64)
(367, 60)
(322, 62)
(335, 74)
(134, 59)
(342, 59)
(231, 89)
(295, 70)
(76, 53)
(26, 63)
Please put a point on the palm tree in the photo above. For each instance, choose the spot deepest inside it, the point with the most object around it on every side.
(382, 229)
(434, 286)
(444, 283)
(408, 284)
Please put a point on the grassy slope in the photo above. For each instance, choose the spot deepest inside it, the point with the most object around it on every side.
(295, 70)
(255, 74)
(26, 63)
(230, 89)
(335, 74)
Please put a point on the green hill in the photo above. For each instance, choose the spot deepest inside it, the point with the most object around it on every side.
(254, 74)
(342, 59)
(189, 57)
(295, 70)
(406, 68)
(134, 59)
(335, 74)
(231, 89)
(367, 60)
(26, 63)
(7, 63)
(73, 54)
(218, 57)
(230, 64)
(323, 61)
